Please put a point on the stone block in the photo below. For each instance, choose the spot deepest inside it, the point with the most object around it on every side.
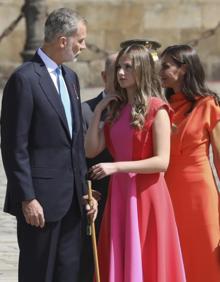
(103, 1)
(187, 35)
(6, 69)
(211, 66)
(210, 46)
(96, 67)
(210, 15)
(172, 16)
(9, 13)
(152, 1)
(114, 44)
(167, 37)
(56, 4)
(12, 45)
(112, 17)
(215, 72)
(89, 93)
(97, 40)
(88, 55)
(96, 36)
(83, 71)
(204, 1)
(11, 2)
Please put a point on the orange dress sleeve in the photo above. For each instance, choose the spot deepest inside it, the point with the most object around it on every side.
(213, 114)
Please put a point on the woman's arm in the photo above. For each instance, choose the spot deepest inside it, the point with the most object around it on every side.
(215, 142)
(94, 138)
(158, 163)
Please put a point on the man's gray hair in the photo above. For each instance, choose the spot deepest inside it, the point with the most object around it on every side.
(62, 22)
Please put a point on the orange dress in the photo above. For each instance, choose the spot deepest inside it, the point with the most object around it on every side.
(193, 189)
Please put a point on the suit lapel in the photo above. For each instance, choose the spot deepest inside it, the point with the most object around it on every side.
(50, 91)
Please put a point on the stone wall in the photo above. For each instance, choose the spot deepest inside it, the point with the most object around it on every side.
(111, 21)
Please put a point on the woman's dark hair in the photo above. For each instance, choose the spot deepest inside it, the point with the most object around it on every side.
(194, 83)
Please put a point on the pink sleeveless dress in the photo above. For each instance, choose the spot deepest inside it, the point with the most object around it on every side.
(138, 238)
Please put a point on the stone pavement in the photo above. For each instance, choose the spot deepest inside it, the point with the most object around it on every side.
(8, 243)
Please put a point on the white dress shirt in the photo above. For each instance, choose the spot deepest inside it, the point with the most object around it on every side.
(50, 65)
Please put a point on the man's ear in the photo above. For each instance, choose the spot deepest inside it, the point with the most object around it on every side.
(62, 41)
(103, 74)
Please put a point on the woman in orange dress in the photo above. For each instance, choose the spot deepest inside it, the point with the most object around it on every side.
(193, 190)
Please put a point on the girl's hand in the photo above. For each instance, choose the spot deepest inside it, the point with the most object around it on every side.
(102, 170)
(104, 103)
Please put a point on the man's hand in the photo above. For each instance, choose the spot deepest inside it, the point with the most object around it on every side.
(96, 194)
(91, 208)
(33, 213)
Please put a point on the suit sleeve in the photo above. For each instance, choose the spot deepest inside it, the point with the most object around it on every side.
(17, 107)
(82, 150)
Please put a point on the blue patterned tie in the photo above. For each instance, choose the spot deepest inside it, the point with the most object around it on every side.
(64, 95)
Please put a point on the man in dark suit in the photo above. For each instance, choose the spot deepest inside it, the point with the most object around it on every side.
(100, 185)
(43, 154)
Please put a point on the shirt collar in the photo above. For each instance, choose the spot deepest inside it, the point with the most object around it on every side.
(49, 63)
(104, 94)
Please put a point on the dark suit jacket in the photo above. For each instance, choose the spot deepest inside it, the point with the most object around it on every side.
(87, 113)
(101, 185)
(40, 159)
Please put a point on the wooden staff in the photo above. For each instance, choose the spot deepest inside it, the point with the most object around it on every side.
(91, 232)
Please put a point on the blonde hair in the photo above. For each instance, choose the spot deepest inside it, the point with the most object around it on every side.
(147, 82)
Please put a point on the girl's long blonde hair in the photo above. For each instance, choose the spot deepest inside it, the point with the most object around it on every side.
(147, 81)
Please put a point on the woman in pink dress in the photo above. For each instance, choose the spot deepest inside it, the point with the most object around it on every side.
(138, 239)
